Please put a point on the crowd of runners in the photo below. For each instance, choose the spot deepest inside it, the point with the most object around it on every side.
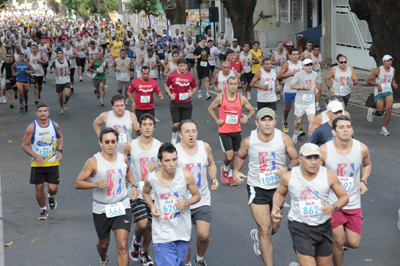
(162, 186)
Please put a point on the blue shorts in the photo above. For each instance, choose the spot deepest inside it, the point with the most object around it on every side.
(171, 253)
(289, 97)
(382, 96)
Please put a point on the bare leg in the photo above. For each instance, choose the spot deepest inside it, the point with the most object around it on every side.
(388, 115)
(40, 197)
(102, 248)
(121, 236)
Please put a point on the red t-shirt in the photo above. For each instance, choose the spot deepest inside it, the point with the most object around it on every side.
(144, 93)
(181, 84)
(48, 40)
(63, 36)
(236, 66)
(83, 33)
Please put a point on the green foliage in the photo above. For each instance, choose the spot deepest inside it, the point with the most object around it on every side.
(88, 7)
(149, 7)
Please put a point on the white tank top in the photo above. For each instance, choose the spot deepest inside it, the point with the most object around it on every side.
(348, 169)
(264, 157)
(306, 197)
(172, 67)
(79, 48)
(236, 50)
(139, 55)
(385, 79)
(68, 56)
(44, 142)
(281, 60)
(130, 40)
(102, 37)
(291, 68)
(221, 43)
(149, 62)
(33, 60)
(341, 81)
(222, 81)
(306, 53)
(245, 60)
(86, 39)
(267, 96)
(116, 190)
(172, 225)
(123, 66)
(317, 63)
(189, 50)
(325, 117)
(43, 49)
(92, 53)
(196, 164)
(305, 97)
(123, 126)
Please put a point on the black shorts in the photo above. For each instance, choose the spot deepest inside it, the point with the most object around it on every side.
(45, 66)
(72, 73)
(271, 105)
(180, 111)
(49, 174)
(138, 112)
(203, 72)
(140, 210)
(37, 80)
(202, 213)
(314, 241)
(346, 99)
(190, 61)
(230, 141)
(222, 57)
(80, 62)
(104, 46)
(212, 68)
(246, 78)
(61, 87)
(260, 196)
(103, 225)
(11, 85)
(162, 57)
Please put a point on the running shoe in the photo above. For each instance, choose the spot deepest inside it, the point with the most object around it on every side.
(72, 90)
(224, 176)
(44, 80)
(385, 132)
(52, 203)
(145, 258)
(126, 102)
(285, 127)
(233, 184)
(345, 248)
(159, 76)
(293, 263)
(43, 215)
(11, 105)
(26, 108)
(62, 111)
(208, 96)
(256, 246)
(248, 96)
(66, 108)
(301, 132)
(317, 108)
(278, 96)
(294, 138)
(4, 100)
(104, 263)
(22, 110)
(134, 250)
(36, 101)
(370, 116)
(199, 95)
(80, 79)
(98, 94)
(102, 103)
(200, 262)
(163, 77)
(174, 140)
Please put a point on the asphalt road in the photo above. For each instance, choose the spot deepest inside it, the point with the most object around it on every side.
(68, 236)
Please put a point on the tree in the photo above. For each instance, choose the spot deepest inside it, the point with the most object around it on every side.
(241, 16)
(149, 7)
(381, 17)
(2, 3)
(175, 11)
(86, 8)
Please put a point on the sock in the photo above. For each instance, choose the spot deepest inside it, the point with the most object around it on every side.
(230, 172)
(137, 243)
(44, 208)
(199, 258)
(226, 167)
(50, 196)
(80, 77)
(188, 264)
(199, 91)
(175, 134)
(383, 127)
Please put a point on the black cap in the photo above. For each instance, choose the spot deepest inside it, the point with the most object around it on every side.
(150, 49)
(92, 42)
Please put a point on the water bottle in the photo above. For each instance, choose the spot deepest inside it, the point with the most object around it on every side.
(293, 263)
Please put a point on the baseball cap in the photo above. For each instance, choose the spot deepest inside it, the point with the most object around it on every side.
(335, 106)
(92, 42)
(309, 149)
(387, 57)
(150, 49)
(210, 40)
(307, 61)
(288, 43)
(234, 40)
(173, 37)
(265, 112)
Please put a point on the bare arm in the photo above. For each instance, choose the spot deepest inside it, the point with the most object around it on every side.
(367, 168)
(283, 74)
(89, 170)
(100, 120)
(316, 123)
(239, 161)
(215, 83)
(330, 75)
(354, 76)
(279, 196)
(211, 168)
(214, 105)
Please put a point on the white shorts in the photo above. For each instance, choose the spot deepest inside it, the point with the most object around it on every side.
(300, 110)
(3, 83)
(318, 79)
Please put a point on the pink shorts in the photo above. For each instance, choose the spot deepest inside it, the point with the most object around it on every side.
(351, 219)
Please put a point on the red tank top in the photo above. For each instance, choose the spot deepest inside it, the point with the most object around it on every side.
(230, 112)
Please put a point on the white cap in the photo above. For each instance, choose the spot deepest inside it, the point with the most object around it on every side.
(234, 40)
(309, 149)
(307, 61)
(387, 57)
(335, 106)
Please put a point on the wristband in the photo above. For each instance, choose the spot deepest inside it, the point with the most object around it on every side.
(60, 151)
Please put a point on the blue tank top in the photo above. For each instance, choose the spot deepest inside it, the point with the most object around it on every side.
(21, 70)
(161, 46)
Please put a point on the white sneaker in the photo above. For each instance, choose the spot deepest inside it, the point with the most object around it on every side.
(294, 137)
(66, 108)
(385, 132)
(174, 141)
(4, 100)
(62, 111)
(370, 116)
(317, 108)
(256, 245)
(126, 102)
(104, 263)
(248, 96)
(102, 103)
(199, 95)
(278, 96)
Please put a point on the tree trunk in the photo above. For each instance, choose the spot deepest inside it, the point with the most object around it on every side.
(63, 10)
(55, 6)
(102, 10)
(241, 15)
(175, 11)
(383, 23)
(148, 17)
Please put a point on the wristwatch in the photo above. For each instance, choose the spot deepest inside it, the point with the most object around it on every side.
(365, 182)
(249, 117)
(289, 168)
(335, 207)
(135, 185)
(60, 151)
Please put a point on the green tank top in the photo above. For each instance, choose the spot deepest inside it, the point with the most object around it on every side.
(102, 71)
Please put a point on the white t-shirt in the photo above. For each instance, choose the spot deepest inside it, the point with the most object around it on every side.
(213, 50)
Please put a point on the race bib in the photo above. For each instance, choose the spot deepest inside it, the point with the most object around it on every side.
(344, 88)
(183, 96)
(310, 208)
(144, 99)
(103, 42)
(169, 209)
(386, 87)
(151, 73)
(124, 75)
(45, 151)
(160, 51)
(317, 67)
(62, 79)
(307, 98)
(131, 43)
(347, 182)
(247, 69)
(268, 177)
(81, 54)
(36, 67)
(203, 63)
(100, 70)
(231, 119)
(114, 210)
(118, 51)
(122, 138)
(270, 85)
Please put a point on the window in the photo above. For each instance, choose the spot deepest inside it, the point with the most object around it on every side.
(296, 9)
(284, 11)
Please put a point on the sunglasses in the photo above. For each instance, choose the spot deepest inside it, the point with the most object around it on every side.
(108, 141)
(9, 55)
(343, 62)
(310, 64)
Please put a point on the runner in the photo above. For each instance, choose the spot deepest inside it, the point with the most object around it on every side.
(140, 53)
(235, 47)
(9, 78)
(220, 80)
(152, 61)
(230, 106)
(209, 36)
(214, 52)
(279, 58)
(21, 71)
(37, 60)
(171, 227)
(267, 83)
(160, 49)
(172, 66)
(121, 66)
(343, 77)
(143, 152)
(81, 48)
(91, 52)
(255, 66)
(247, 59)
(349, 158)
(71, 55)
(318, 61)
(196, 157)
(383, 80)
(108, 171)
(188, 49)
(267, 148)
(131, 55)
(168, 57)
(116, 46)
(97, 67)
(309, 186)
(289, 69)
(236, 65)
(62, 68)
(130, 38)
(304, 83)
(202, 54)
(44, 49)
(309, 51)
(144, 87)
(222, 45)
(46, 140)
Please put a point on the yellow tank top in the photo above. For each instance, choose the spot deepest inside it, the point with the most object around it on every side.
(256, 67)
(116, 49)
